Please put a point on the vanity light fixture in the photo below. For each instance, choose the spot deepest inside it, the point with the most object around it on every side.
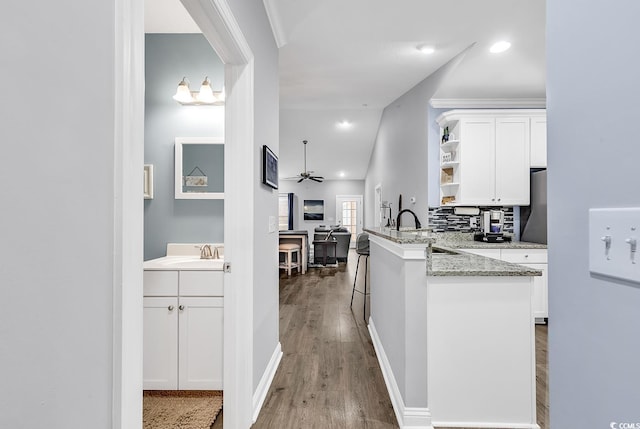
(205, 97)
(500, 46)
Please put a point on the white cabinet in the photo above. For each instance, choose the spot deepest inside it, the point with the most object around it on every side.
(160, 342)
(539, 141)
(183, 333)
(488, 162)
(532, 258)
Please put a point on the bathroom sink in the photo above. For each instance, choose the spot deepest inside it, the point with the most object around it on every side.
(184, 263)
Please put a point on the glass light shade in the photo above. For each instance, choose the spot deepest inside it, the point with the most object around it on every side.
(206, 93)
(183, 93)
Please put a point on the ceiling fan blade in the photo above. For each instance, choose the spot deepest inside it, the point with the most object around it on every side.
(318, 177)
(301, 179)
(315, 179)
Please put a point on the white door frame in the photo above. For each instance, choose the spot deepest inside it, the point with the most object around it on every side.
(359, 213)
(215, 19)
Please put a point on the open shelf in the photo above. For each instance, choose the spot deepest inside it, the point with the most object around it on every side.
(449, 164)
(449, 146)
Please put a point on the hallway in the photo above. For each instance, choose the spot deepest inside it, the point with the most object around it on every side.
(329, 375)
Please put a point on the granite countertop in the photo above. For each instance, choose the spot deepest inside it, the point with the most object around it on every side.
(448, 260)
(464, 240)
(404, 236)
(464, 264)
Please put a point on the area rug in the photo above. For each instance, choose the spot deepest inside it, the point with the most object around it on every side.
(180, 409)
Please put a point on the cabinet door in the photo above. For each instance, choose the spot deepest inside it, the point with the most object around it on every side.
(512, 161)
(477, 161)
(160, 343)
(201, 342)
(539, 142)
(540, 292)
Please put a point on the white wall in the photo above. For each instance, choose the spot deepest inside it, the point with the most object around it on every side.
(57, 188)
(399, 160)
(593, 153)
(255, 26)
(327, 191)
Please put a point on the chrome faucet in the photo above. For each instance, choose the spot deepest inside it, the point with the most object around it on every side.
(418, 225)
(205, 252)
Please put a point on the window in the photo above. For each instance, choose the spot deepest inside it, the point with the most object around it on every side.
(349, 218)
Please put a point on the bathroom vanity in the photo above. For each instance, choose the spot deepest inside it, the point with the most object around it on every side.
(454, 333)
(183, 321)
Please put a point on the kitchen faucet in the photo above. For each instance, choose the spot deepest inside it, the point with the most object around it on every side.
(418, 225)
(205, 252)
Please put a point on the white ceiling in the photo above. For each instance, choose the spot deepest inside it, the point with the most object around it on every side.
(350, 59)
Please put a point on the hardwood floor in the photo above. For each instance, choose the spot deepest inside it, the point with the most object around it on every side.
(329, 375)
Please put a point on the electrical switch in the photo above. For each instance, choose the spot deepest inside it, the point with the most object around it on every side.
(613, 243)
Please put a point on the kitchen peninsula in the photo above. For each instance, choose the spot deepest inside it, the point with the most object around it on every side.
(454, 333)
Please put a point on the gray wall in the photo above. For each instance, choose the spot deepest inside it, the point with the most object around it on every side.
(253, 21)
(592, 100)
(57, 188)
(168, 58)
(399, 160)
(326, 191)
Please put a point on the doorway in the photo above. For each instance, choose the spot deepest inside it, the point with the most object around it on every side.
(220, 28)
(349, 215)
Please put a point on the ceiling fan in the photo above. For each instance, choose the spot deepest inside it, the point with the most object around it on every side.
(306, 174)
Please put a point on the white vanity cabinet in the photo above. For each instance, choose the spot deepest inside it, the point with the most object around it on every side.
(183, 330)
(532, 258)
(487, 160)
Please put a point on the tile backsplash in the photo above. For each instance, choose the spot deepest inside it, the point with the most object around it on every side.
(443, 219)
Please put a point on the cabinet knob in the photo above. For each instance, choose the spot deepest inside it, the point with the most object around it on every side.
(181, 307)
(499, 199)
(526, 256)
(170, 308)
(493, 199)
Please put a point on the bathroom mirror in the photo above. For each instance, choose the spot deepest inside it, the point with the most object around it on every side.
(199, 168)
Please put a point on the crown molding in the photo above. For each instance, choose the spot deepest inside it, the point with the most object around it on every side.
(276, 24)
(489, 103)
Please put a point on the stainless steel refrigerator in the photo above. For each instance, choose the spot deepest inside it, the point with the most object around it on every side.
(533, 219)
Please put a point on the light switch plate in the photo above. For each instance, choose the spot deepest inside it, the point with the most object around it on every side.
(613, 234)
(272, 224)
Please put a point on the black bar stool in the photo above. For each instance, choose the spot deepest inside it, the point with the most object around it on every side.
(362, 249)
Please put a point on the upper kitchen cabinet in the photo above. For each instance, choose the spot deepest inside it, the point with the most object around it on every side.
(539, 141)
(485, 156)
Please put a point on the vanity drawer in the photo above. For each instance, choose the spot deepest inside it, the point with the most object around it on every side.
(201, 283)
(525, 256)
(160, 283)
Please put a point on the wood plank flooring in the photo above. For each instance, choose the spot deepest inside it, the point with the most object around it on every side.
(329, 375)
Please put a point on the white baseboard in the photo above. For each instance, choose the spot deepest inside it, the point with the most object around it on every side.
(485, 425)
(408, 417)
(265, 382)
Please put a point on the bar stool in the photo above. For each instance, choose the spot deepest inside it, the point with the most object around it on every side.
(362, 249)
(289, 249)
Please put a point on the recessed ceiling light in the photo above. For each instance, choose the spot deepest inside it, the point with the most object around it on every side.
(426, 49)
(344, 124)
(500, 46)
(341, 174)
